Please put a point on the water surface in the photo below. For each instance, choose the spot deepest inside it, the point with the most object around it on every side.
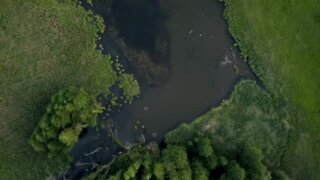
(204, 67)
(202, 60)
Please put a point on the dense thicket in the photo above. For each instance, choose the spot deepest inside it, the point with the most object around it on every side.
(70, 111)
(196, 160)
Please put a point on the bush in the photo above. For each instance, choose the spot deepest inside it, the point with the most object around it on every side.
(129, 86)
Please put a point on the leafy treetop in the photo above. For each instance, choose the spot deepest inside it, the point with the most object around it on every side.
(70, 111)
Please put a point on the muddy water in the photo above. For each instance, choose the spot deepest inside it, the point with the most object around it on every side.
(203, 63)
(204, 68)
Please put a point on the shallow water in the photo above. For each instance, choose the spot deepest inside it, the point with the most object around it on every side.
(204, 68)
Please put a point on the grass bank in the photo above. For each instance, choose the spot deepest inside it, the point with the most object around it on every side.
(250, 116)
(245, 127)
(281, 41)
(45, 46)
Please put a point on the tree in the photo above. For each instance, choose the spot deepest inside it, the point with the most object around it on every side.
(199, 172)
(210, 162)
(176, 163)
(233, 172)
(70, 111)
(251, 159)
(115, 177)
(204, 147)
(132, 170)
(158, 171)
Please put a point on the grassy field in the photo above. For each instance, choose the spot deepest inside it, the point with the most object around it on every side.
(281, 41)
(45, 46)
(261, 123)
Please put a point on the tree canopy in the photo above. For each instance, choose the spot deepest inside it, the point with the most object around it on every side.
(184, 162)
(70, 111)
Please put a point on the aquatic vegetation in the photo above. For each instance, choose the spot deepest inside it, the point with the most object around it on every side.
(280, 39)
(135, 30)
(130, 87)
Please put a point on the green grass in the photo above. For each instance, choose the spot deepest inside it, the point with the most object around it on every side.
(249, 116)
(45, 46)
(281, 39)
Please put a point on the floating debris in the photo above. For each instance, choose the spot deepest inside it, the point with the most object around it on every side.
(93, 152)
(190, 32)
(142, 138)
(226, 60)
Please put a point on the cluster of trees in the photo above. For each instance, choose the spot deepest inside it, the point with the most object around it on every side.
(197, 159)
(70, 111)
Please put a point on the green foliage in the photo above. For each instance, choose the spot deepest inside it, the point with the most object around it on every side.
(132, 170)
(234, 172)
(116, 176)
(179, 162)
(204, 147)
(199, 172)
(129, 86)
(70, 136)
(251, 159)
(210, 162)
(159, 171)
(70, 111)
(176, 163)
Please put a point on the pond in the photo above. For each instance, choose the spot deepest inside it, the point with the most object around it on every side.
(201, 61)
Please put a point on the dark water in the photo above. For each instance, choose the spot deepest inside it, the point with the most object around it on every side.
(204, 67)
(202, 60)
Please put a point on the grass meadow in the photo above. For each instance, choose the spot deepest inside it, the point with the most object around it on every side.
(45, 46)
(280, 39)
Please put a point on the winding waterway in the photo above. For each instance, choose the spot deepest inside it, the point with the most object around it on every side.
(204, 67)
